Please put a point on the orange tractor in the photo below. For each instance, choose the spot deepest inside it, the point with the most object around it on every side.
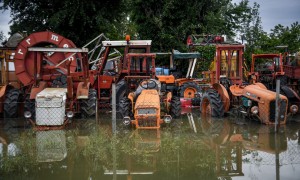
(226, 89)
(186, 87)
(149, 105)
(269, 69)
(10, 93)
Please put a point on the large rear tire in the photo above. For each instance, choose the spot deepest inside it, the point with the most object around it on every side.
(88, 106)
(121, 91)
(175, 108)
(11, 103)
(125, 107)
(211, 104)
(189, 89)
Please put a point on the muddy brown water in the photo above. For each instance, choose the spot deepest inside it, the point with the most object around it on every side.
(190, 147)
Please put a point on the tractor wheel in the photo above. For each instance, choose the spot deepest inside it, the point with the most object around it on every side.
(11, 103)
(211, 104)
(121, 89)
(60, 82)
(189, 89)
(125, 107)
(88, 106)
(29, 105)
(283, 80)
(175, 107)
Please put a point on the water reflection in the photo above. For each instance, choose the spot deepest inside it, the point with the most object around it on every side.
(192, 147)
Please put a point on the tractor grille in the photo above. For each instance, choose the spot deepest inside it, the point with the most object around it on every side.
(281, 111)
(150, 121)
(147, 111)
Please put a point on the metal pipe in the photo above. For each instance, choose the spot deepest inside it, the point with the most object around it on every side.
(114, 109)
(277, 104)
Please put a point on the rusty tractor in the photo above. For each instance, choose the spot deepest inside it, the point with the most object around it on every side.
(149, 105)
(227, 91)
(268, 71)
(47, 60)
(10, 93)
(186, 87)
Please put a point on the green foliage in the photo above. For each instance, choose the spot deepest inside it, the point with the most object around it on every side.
(168, 23)
(77, 20)
(207, 54)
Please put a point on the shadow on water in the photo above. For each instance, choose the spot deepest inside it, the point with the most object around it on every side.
(190, 147)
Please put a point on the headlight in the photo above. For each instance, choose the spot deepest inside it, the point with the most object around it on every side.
(27, 114)
(254, 110)
(294, 109)
(167, 119)
(70, 114)
(126, 120)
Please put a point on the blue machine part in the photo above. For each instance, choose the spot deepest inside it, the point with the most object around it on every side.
(246, 102)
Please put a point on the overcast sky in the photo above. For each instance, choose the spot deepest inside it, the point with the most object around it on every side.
(272, 12)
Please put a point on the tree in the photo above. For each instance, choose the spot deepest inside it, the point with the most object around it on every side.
(289, 36)
(169, 22)
(2, 37)
(77, 20)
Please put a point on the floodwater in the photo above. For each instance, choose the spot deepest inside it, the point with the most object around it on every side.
(190, 147)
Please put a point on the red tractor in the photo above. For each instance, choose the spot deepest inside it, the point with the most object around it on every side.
(227, 91)
(47, 60)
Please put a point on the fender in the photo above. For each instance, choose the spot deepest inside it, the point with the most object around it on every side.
(290, 94)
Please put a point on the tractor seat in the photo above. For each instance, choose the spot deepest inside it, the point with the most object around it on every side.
(152, 84)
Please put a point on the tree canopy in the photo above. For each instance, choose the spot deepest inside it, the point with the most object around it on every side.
(166, 22)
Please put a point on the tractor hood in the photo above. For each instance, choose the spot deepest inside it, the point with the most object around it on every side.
(149, 98)
(254, 92)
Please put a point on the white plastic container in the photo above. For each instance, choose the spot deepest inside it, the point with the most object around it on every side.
(50, 107)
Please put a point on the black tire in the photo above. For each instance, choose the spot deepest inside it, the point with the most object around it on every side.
(29, 105)
(189, 85)
(11, 103)
(175, 107)
(88, 106)
(60, 82)
(283, 80)
(121, 91)
(125, 107)
(212, 99)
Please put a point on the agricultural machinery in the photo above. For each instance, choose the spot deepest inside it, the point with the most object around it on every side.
(268, 71)
(227, 90)
(9, 84)
(149, 105)
(51, 69)
(186, 87)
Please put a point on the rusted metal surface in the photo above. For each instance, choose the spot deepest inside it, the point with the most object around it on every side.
(24, 64)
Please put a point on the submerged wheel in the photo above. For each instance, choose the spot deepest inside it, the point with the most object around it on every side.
(121, 89)
(29, 105)
(175, 107)
(11, 103)
(211, 104)
(189, 89)
(125, 107)
(88, 106)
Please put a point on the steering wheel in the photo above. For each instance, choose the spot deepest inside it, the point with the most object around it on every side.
(148, 84)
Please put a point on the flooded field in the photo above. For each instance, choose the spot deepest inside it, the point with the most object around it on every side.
(190, 147)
